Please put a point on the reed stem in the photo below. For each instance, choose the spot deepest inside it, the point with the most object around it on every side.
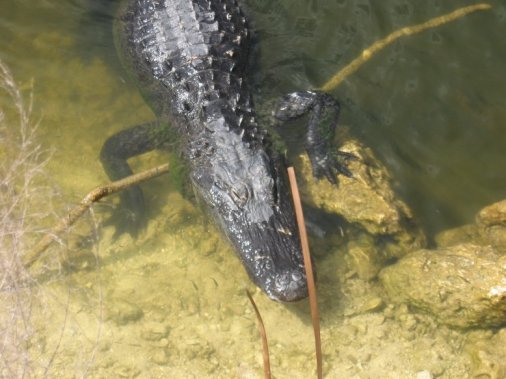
(309, 270)
(263, 334)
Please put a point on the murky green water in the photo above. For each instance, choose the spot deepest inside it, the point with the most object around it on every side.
(432, 106)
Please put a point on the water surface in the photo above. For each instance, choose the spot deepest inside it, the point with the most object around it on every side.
(432, 106)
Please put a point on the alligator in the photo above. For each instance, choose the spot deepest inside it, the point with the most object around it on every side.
(189, 59)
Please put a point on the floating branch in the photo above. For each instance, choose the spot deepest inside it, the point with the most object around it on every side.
(92, 197)
(406, 31)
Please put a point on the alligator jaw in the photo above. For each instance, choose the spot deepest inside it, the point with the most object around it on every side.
(289, 286)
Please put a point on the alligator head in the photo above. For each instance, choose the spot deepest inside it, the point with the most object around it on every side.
(244, 188)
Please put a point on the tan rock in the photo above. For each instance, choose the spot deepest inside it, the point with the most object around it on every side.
(462, 286)
(487, 354)
(491, 222)
(367, 200)
(123, 312)
(462, 234)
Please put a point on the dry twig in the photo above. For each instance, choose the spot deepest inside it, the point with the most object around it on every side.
(368, 53)
(92, 197)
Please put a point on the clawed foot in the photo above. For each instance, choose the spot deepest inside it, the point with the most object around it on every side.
(323, 111)
(331, 164)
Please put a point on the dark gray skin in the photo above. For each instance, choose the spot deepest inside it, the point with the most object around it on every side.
(188, 58)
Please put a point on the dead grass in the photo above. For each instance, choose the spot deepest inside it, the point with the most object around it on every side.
(26, 210)
(20, 165)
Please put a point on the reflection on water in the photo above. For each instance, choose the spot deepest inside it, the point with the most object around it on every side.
(432, 106)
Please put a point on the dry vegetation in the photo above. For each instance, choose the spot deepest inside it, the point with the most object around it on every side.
(26, 209)
(21, 164)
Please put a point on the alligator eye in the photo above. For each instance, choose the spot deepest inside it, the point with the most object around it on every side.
(240, 195)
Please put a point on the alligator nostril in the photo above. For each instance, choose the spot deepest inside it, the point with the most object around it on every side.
(288, 286)
(296, 276)
(282, 280)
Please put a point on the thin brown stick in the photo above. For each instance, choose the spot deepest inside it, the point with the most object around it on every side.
(309, 270)
(92, 197)
(263, 334)
(369, 52)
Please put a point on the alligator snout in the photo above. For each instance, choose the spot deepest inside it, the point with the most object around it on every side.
(271, 256)
(282, 277)
(245, 189)
(289, 286)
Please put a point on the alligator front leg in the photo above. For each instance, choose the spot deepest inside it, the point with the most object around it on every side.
(323, 112)
(130, 217)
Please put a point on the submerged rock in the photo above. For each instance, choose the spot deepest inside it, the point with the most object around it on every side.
(123, 312)
(459, 235)
(491, 222)
(363, 257)
(487, 354)
(154, 331)
(462, 286)
(382, 226)
(489, 229)
(366, 199)
(424, 375)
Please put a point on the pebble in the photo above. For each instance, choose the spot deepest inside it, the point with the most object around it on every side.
(123, 312)
(154, 331)
(372, 305)
(424, 375)
(160, 357)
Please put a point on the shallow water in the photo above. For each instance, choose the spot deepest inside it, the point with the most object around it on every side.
(432, 106)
